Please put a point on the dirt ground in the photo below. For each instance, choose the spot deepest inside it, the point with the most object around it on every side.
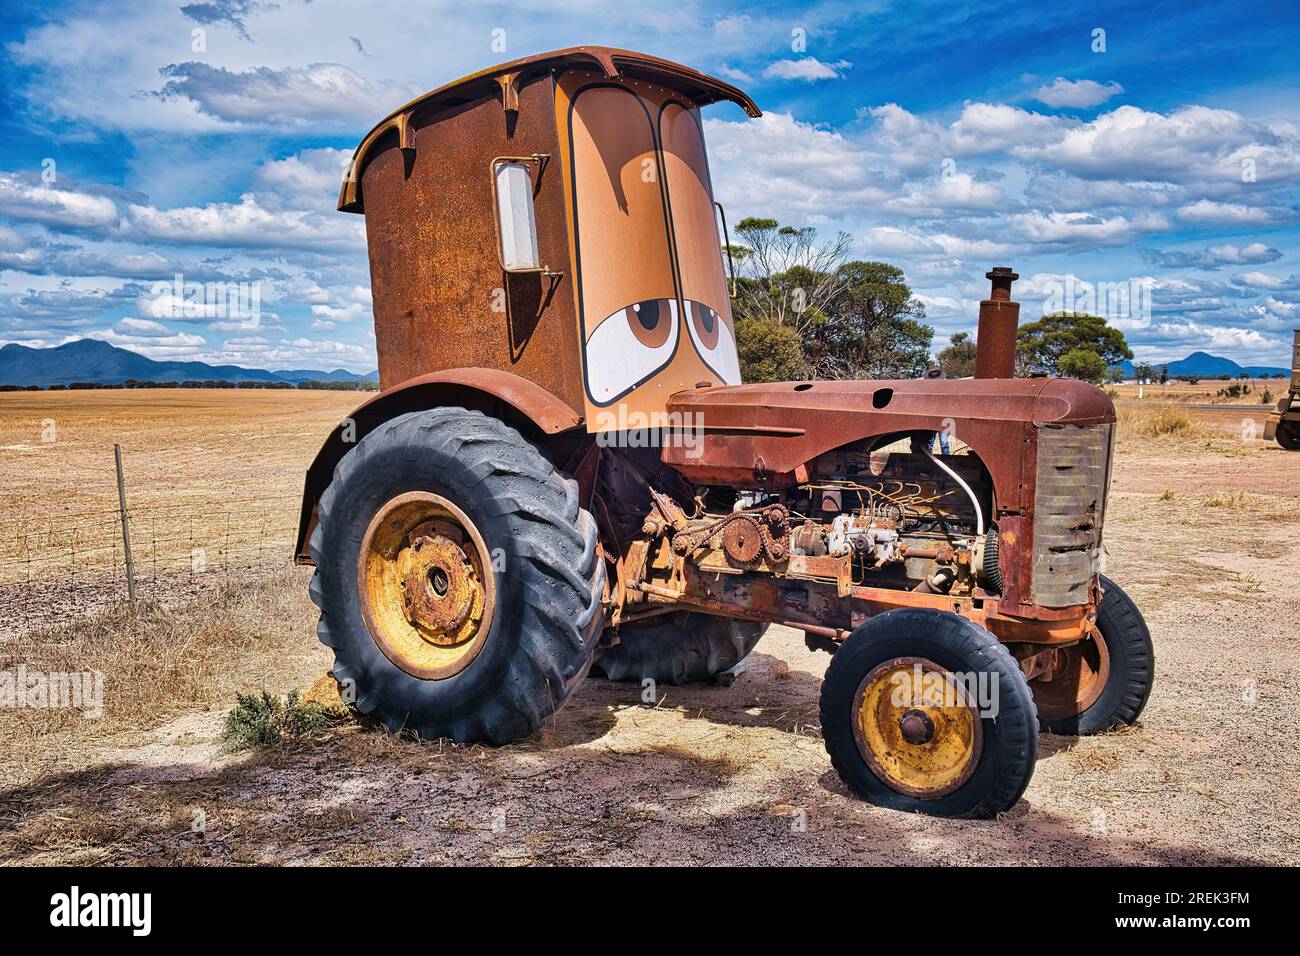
(1203, 530)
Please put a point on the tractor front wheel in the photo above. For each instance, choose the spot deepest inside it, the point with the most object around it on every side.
(1288, 435)
(924, 711)
(457, 578)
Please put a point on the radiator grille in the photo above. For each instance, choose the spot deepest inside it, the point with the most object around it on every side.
(1073, 471)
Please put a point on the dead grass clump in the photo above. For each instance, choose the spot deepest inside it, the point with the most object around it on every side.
(1160, 423)
(1235, 500)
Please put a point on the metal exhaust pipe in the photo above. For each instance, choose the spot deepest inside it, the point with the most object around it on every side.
(995, 342)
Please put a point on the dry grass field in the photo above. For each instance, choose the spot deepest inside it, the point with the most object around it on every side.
(1205, 392)
(1203, 531)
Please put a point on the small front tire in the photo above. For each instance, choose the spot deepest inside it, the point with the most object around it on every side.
(924, 711)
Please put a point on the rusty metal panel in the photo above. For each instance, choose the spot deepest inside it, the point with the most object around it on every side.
(1295, 362)
(772, 429)
(441, 299)
(504, 81)
(1069, 500)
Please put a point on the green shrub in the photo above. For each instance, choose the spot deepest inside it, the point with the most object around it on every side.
(264, 720)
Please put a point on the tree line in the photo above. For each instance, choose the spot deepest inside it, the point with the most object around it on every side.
(804, 310)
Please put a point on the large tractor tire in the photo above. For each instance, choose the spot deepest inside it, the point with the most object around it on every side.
(1288, 435)
(1103, 684)
(924, 711)
(678, 649)
(457, 578)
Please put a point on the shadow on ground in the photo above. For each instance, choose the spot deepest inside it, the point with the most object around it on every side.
(710, 775)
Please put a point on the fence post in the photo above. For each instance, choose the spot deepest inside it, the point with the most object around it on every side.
(126, 530)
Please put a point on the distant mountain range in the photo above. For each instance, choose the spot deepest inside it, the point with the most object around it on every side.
(1204, 365)
(96, 362)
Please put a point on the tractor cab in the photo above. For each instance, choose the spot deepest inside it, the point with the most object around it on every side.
(554, 218)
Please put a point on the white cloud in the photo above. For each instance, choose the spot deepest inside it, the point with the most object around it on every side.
(1077, 228)
(308, 179)
(1280, 307)
(997, 127)
(1227, 213)
(732, 73)
(957, 194)
(147, 327)
(1264, 280)
(153, 340)
(245, 224)
(1213, 257)
(328, 94)
(886, 241)
(336, 314)
(298, 352)
(738, 24)
(808, 68)
(54, 205)
(1192, 144)
(1080, 93)
(777, 165)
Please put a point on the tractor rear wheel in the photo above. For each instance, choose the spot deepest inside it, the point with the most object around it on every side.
(1288, 435)
(678, 649)
(924, 711)
(457, 578)
(1104, 682)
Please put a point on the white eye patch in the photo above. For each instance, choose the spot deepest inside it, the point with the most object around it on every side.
(630, 346)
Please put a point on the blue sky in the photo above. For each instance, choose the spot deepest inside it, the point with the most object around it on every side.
(1159, 157)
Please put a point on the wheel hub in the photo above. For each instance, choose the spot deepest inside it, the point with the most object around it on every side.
(426, 586)
(917, 727)
(442, 594)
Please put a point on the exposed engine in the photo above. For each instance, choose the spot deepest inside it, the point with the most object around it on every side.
(902, 520)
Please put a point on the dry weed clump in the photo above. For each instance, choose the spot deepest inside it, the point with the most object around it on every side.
(1235, 500)
(1161, 423)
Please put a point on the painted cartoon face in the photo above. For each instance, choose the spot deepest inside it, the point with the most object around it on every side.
(656, 317)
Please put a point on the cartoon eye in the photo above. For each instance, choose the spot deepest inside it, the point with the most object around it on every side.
(714, 340)
(630, 346)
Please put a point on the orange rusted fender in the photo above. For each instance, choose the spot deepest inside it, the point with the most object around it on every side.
(523, 404)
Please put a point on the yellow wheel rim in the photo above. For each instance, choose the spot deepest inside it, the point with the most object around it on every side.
(426, 585)
(917, 727)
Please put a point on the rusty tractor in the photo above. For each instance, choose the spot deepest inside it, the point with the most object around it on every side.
(563, 471)
(1284, 421)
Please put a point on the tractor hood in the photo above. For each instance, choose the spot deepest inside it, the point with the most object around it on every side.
(771, 432)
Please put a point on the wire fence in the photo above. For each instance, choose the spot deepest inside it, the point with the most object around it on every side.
(74, 561)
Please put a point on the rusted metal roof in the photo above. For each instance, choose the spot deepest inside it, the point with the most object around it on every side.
(504, 80)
